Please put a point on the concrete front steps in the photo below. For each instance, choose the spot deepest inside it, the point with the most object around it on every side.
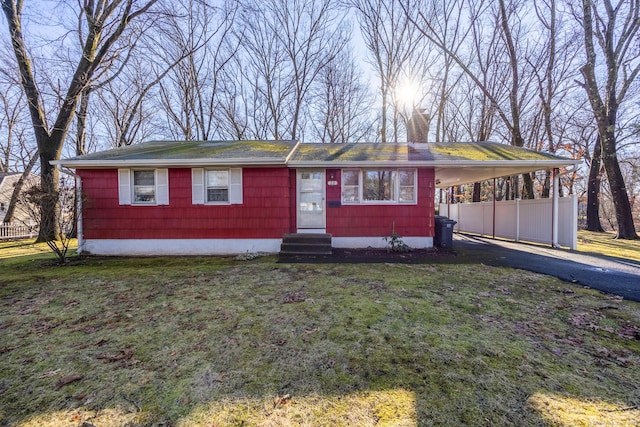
(306, 244)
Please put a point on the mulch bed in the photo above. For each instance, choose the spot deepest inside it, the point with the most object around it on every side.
(372, 255)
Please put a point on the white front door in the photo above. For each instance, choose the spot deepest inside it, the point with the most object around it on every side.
(311, 203)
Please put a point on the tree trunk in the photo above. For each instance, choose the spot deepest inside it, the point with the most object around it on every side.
(527, 187)
(614, 47)
(383, 118)
(593, 189)
(515, 184)
(81, 143)
(546, 185)
(49, 183)
(476, 192)
(624, 214)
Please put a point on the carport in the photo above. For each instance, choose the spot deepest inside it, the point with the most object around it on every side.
(550, 221)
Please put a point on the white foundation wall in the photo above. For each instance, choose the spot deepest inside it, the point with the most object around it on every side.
(379, 242)
(179, 246)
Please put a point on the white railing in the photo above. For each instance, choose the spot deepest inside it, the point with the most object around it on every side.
(17, 231)
(519, 220)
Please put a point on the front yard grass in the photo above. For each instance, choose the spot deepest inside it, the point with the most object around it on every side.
(197, 341)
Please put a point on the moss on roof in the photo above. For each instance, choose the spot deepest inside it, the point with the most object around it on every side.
(237, 152)
(177, 150)
(358, 153)
(480, 151)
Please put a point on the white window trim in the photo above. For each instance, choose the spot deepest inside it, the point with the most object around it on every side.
(126, 187)
(199, 186)
(361, 200)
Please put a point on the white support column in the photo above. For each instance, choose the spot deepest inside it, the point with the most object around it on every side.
(517, 220)
(555, 202)
(493, 211)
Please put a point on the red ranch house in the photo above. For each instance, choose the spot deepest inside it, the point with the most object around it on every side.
(244, 196)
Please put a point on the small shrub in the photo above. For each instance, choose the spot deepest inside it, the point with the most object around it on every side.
(396, 244)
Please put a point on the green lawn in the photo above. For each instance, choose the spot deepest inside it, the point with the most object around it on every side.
(197, 341)
(606, 244)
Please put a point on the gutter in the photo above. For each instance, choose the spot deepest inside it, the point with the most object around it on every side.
(78, 181)
(543, 164)
(101, 164)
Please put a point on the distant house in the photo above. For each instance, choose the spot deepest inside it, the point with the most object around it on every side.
(238, 196)
(22, 214)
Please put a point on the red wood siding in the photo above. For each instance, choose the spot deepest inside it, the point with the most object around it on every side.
(377, 220)
(265, 212)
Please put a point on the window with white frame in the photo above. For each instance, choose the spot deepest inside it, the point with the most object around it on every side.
(379, 186)
(143, 186)
(216, 186)
(407, 185)
(350, 186)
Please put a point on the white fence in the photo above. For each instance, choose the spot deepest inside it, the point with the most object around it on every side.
(17, 231)
(526, 220)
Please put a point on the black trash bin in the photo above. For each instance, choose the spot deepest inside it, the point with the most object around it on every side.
(444, 232)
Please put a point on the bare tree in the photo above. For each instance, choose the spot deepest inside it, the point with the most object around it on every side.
(12, 108)
(123, 109)
(285, 46)
(553, 63)
(103, 25)
(17, 154)
(611, 31)
(342, 104)
(391, 41)
(517, 83)
(263, 65)
(198, 50)
(235, 102)
(451, 14)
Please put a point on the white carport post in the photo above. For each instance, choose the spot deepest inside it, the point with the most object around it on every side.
(555, 203)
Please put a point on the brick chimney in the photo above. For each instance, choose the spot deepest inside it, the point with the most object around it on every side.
(418, 126)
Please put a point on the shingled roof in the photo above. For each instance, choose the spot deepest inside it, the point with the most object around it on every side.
(175, 153)
(454, 163)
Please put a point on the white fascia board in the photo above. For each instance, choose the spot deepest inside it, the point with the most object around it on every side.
(541, 164)
(97, 164)
(506, 163)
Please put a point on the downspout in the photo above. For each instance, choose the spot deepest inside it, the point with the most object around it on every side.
(78, 181)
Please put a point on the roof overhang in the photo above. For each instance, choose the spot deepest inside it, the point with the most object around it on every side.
(187, 163)
(454, 163)
(453, 172)
(458, 173)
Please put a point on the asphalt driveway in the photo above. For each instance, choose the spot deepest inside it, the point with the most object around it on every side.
(612, 275)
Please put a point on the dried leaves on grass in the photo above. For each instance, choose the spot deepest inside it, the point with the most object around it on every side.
(212, 341)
